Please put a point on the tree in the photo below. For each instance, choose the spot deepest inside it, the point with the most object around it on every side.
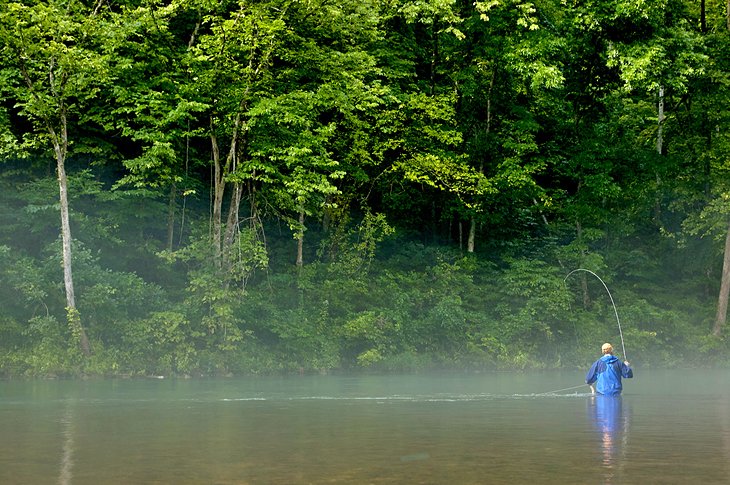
(308, 133)
(152, 106)
(514, 73)
(54, 66)
(299, 146)
(691, 60)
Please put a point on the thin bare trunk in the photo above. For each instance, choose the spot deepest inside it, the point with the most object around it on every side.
(221, 171)
(659, 148)
(300, 240)
(471, 242)
(542, 214)
(59, 146)
(584, 289)
(98, 6)
(171, 218)
(472, 235)
(255, 223)
(327, 215)
(254, 214)
(185, 194)
(660, 118)
(721, 317)
(218, 186)
(232, 222)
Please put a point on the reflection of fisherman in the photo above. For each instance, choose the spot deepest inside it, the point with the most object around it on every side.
(611, 421)
(605, 374)
(607, 414)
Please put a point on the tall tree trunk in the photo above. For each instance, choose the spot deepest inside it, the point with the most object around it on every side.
(252, 203)
(171, 218)
(60, 145)
(218, 186)
(659, 148)
(583, 278)
(473, 226)
(327, 215)
(232, 223)
(300, 240)
(461, 236)
(221, 170)
(660, 117)
(721, 317)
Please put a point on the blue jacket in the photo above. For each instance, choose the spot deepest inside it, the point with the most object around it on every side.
(607, 372)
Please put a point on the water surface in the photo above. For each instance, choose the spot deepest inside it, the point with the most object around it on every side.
(669, 427)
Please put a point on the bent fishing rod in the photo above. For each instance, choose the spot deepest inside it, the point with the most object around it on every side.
(623, 347)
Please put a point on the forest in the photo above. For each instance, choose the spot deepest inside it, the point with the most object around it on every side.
(239, 187)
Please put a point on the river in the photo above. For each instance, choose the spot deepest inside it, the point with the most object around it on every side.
(493, 428)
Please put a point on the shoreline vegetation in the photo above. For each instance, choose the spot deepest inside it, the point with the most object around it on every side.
(456, 313)
(285, 187)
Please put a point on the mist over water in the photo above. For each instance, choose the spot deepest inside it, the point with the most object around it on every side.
(668, 427)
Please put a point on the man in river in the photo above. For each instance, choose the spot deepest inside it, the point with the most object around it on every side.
(605, 374)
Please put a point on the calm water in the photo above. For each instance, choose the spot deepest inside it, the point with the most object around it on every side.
(669, 427)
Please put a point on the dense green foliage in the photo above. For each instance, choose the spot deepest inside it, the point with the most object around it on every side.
(305, 185)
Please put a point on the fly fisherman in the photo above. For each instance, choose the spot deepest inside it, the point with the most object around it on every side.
(605, 374)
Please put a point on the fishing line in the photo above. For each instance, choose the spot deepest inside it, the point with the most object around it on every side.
(623, 347)
(561, 390)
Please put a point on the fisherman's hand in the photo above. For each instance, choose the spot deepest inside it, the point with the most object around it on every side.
(626, 363)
